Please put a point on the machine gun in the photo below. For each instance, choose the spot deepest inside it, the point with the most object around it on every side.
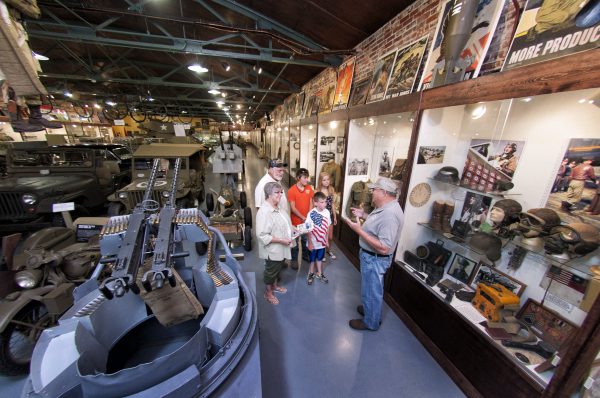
(136, 244)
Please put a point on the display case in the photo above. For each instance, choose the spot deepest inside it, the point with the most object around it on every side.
(498, 212)
(294, 151)
(377, 146)
(308, 149)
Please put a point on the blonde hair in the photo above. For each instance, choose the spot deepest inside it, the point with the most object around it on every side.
(330, 189)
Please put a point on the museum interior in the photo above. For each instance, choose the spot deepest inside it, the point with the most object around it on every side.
(154, 222)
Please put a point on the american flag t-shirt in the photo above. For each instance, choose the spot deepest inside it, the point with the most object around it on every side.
(321, 225)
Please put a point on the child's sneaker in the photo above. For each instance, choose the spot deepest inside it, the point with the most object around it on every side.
(332, 256)
(310, 279)
(322, 278)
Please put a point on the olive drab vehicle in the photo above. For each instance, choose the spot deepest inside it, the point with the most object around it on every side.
(190, 186)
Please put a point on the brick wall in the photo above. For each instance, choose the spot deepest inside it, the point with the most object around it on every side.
(416, 21)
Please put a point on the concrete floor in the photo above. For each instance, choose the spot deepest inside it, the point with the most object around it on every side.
(306, 346)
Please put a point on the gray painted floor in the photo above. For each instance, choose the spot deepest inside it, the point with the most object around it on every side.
(306, 346)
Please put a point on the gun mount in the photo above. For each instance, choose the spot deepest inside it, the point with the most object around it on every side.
(119, 347)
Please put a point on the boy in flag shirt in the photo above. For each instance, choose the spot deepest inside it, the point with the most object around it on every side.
(318, 237)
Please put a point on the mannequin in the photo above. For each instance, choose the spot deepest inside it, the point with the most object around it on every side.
(359, 197)
(335, 171)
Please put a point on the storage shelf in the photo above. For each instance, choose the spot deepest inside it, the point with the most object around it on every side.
(491, 193)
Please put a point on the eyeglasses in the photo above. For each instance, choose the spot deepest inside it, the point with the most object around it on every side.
(277, 192)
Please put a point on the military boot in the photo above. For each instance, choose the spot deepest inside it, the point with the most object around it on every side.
(446, 216)
(19, 125)
(36, 118)
(436, 215)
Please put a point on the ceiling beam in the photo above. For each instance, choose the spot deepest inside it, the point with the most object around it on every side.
(46, 29)
(155, 81)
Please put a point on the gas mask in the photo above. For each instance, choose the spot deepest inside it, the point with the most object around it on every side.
(537, 222)
(577, 239)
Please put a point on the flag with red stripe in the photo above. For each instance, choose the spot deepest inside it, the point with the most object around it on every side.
(320, 231)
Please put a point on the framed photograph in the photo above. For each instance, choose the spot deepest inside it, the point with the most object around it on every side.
(546, 324)
(340, 144)
(431, 154)
(358, 167)
(462, 268)
(485, 273)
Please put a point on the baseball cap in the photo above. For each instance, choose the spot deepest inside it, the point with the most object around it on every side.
(276, 163)
(387, 184)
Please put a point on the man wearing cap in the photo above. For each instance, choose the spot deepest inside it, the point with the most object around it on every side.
(378, 238)
(274, 174)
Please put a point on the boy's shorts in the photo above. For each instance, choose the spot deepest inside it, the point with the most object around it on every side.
(317, 254)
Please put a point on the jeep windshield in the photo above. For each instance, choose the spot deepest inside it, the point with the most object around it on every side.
(55, 158)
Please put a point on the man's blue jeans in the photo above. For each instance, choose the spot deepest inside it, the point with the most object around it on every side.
(372, 270)
(304, 243)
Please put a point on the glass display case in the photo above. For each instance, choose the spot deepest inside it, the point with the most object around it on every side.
(377, 146)
(308, 150)
(501, 233)
(331, 144)
(294, 151)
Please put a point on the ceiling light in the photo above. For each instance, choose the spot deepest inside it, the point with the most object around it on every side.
(527, 99)
(478, 112)
(183, 111)
(581, 101)
(226, 66)
(97, 106)
(214, 92)
(197, 68)
(259, 70)
(39, 57)
(238, 106)
(150, 99)
(111, 103)
(68, 94)
(223, 94)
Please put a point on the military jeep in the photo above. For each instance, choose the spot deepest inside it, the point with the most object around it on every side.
(190, 190)
(39, 176)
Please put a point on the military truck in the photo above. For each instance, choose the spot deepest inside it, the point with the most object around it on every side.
(39, 177)
(190, 190)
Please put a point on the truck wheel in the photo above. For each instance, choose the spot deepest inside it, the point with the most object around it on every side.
(247, 238)
(243, 200)
(210, 202)
(17, 340)
(248, 217)
(115, 209)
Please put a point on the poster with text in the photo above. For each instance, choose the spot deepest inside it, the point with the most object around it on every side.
(344, 84)
(404, 74)
(381, 77)
(461, 40)
(554, 28)
(359, 92)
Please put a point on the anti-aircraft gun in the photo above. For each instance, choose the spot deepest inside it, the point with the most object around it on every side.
(230, 213)
(133, 335)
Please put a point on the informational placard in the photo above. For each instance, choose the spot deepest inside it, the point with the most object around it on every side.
(119, 122)
(59, 207)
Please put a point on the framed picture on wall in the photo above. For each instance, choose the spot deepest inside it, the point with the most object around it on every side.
(485, 273)
(462, 268)
(340, 144)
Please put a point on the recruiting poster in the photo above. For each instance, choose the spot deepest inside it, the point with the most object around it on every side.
(327, 99)
(359, 92)
(461, 40)
(404, 73)
(344, 83)
(553, 28)
(381, 77)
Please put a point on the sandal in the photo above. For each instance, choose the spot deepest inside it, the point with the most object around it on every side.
(271, 299)
(280, 289)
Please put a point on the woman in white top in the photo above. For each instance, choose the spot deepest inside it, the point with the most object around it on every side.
(274, 235)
